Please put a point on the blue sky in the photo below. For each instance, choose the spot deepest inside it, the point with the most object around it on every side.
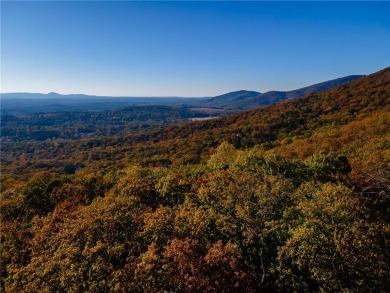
(188, 48)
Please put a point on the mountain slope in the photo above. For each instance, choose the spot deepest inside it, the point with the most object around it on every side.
(27, 103)
(271, 125)
(277, 96)
(267, 127)
(232, 97)
(251, 99)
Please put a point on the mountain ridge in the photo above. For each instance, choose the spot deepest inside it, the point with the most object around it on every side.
(241, 99)
(265, 127)
(248, 99)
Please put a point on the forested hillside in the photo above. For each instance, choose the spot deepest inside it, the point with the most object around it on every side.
(293, 197)
(268, 128)
(250, 99)
(17, 104)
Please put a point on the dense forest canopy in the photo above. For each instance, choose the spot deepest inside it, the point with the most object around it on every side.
(292, 197)
(84, 124)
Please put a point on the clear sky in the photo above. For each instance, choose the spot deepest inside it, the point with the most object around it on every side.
(188, 48)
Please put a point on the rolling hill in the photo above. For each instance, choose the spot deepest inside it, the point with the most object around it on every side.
(268, 127)
(232, 97)
(29, 103)
(250, 99)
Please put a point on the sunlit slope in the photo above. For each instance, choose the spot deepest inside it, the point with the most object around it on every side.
(294, 126)
(281, 123)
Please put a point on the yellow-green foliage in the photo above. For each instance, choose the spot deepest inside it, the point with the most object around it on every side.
(293, 197)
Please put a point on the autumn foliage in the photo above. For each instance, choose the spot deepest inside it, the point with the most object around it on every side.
(293, 197)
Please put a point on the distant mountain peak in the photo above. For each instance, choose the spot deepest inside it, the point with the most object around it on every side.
(234, 96)
(250, 99)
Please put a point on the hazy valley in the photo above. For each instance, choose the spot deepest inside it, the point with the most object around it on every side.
(27, 116)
